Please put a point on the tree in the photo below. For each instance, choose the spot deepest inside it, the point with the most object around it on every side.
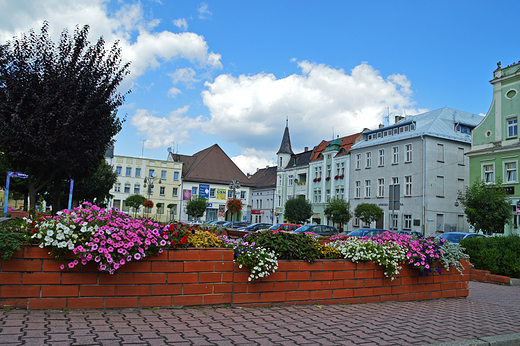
(368, 213)
(338, 210)
(298, 210)
(196, 207)
(58, 105)
(486, 207)
(135, 202)
(170, 206)
(95, 187)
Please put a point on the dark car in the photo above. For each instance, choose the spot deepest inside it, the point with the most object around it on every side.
(255, 227)
(410, 233)
(236, 224)
(322, 230)
(367, 232)
(285, 227)
(456, 237)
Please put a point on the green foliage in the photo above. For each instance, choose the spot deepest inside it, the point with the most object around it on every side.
(58, 104)
(338, 210)
(450, 256)
(135, 202)
(368, 213)
(486, 206)
(298, 210)
(95, 187)
(12, 235)
(196, 207)
(287, 246)
(499, 255)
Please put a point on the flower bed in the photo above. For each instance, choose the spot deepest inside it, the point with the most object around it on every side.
(33, 279)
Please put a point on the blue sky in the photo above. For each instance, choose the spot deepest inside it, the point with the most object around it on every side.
(232, 72)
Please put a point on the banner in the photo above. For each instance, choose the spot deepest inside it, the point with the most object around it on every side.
(186, 195)
(221, 194)
(204, 191)
(221, 210)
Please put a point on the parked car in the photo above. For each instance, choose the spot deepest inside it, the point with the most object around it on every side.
(322, 230)
(410, 233)
(456, 237)
(236, 224)
(286, 227)
(255, 227)
(196, 222)
(217, 223)
(367, 232)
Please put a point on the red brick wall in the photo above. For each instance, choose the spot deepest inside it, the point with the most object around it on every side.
(486, 276)
(32, 279)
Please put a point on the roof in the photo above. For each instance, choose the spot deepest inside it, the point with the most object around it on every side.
(210, 165)
(264, 178)
(299, 160)
(338, 144)
(285, 147)
(439, 123)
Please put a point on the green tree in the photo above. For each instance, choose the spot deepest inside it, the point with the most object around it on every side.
(486, 207)
(298, 210)
(95, 187)
(58, 105)
(196, 207)
(135, 202)
(170, 206)
(338, 210)
(368, 213)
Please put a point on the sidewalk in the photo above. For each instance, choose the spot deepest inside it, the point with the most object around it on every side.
(489, 316)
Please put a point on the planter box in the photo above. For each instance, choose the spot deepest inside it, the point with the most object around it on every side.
(32, 279)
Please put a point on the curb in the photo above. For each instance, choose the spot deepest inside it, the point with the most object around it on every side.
(497, 340)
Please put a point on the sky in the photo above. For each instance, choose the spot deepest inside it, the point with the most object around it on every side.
(234, 73)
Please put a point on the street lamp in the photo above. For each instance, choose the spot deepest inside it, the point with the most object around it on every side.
(150, 181)
(235, 185)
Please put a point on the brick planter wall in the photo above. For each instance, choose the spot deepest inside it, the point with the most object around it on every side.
(32, 279)
(486, 276)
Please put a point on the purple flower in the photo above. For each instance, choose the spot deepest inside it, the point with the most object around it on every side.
(137, 256)
(62, 266)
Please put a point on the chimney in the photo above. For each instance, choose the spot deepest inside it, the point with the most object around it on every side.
(381, 126)
(398, 118)
(306, 149)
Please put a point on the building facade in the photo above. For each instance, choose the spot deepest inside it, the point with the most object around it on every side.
(263, 195)
(131, 174)
(495, 146)
(424, 155)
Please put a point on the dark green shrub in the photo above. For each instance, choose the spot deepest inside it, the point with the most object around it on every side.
(499, 255)
(287, 245)
(12, 235)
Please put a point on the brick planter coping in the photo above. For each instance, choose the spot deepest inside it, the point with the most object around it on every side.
(32, 279)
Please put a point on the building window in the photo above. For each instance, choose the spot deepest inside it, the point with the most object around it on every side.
(460, 185)
(117, 187)
(510, 169)
(117, 204)
(358, 189)
(408, 153)
(315, 196)
(407, 222)
(137, 188)
(408, 185)
(327, 195)
(342, 193)
(460, 156)
(127, 187)
(395, 155)
(381, 157)
(337, 169)
(128, 171)
(162, 190)
(175, 192)
(230, 194)
(212, 193)
(193, 190)
(175, 175)
(369, 159)
(395, 180)
(367, 188)
(358, 161)
(160, 209)
(394, 221)
(356, 222)
(118, 170)
(163, 175)
(290, 180)
(342, 168)
(380, 187)
(329, 170)
(151, 173)
(126, 208)
(319, 172)
(242, 194)
(440, 186)
(488, 173)
(138, 172)
(440, 152)
(512, 129)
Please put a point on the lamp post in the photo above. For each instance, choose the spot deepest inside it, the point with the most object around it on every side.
(150, 182)
(235, 185)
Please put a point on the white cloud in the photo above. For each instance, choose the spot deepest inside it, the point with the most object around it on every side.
(251, 109)
(181, 23)
(251, 159)
(163, 131)
(203, 11)
(173, 92)
(184, 75)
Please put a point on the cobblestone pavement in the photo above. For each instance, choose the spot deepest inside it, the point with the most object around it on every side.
(490, 313)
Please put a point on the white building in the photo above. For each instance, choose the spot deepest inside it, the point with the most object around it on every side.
(425, 155)
(263, 196)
